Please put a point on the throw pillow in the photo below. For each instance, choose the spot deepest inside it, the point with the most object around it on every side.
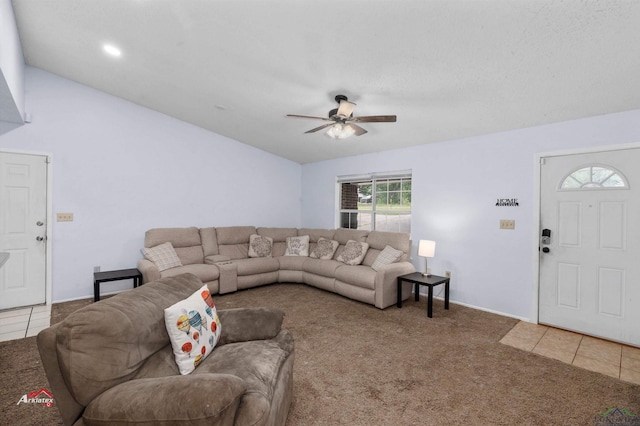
(260, 246)
(194, 329)
(353, 253)
(297, 246)
(324, 249)
(164, 256)
(386, 257)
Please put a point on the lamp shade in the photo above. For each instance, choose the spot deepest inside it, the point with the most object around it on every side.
(427, 248)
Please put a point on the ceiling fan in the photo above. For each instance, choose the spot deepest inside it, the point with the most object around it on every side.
(342, 122)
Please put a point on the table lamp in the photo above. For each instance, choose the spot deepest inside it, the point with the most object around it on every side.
(426, 249)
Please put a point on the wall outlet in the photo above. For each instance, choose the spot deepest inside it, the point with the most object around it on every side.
(507, 224)
(447, 274)
(96, 269)
(64, 217)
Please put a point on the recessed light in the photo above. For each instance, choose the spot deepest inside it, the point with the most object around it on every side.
(112, 50)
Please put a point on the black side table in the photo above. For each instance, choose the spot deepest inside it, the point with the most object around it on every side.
(122, 274)
(431, 281)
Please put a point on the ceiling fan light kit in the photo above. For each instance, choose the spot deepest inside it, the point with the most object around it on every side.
(342, 118)
(340, 131)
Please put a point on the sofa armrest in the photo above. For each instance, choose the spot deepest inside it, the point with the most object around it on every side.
(387, 283)
(195, 399)
(149, 270)
(212, 259)
(244, 324)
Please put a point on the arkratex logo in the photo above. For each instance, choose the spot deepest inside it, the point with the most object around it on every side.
(42, 396)
(616, 417)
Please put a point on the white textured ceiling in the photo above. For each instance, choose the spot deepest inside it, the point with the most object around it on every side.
(448, 69)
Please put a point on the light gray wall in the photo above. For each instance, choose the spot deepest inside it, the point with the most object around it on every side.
(11, 70)
(455, 187)
(122, 169)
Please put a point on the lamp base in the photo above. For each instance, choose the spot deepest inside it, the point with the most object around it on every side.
(426, 274)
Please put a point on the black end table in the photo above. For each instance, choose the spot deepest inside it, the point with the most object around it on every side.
(122, 274)
(417, 279)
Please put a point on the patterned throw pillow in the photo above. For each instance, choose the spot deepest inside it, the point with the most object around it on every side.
(297, 246)
(194, 329)
(386, 257)
(260, 246)
(324, 249)
(353, 253)
(164, 256)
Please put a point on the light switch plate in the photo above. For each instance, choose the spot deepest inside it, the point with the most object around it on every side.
(507, 224)
(64, 217)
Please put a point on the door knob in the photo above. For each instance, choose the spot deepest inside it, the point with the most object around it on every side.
(546, 250)
(39, 238)
(39, 223)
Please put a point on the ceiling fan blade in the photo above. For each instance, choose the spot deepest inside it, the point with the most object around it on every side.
(309, 116)
(375, 119)
(324, 126)
(346, 108)
(358, 130)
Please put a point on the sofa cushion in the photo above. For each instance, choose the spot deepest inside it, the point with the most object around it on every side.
(279, 236)
(163, 256)
(398, 240)
(260, 246)
(326, 268)
(204, 272)
(209, 241)
(186, 242)
(257, 265)
(179, 237)
(234, 234)
(291, 263)
(297, 246)
(343, 235)
(105, 343)
(205, 399)
(386, 257)
(324, 249)
(233, 241)
(353, 253)
(359, 275)
(258, 363)
(194, 329)
(316, 234)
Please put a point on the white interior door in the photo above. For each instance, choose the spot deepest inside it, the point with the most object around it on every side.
(590, 267)
(23, 229)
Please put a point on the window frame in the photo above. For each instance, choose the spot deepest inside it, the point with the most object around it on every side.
(593, 185)
(375, 179)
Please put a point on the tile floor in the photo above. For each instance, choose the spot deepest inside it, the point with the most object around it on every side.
(602, 356)
(24, 322)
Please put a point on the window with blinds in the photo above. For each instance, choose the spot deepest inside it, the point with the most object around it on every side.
(376, 201)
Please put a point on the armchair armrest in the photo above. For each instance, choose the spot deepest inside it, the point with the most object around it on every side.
(244, 324)
(196, 399)
(149, 270)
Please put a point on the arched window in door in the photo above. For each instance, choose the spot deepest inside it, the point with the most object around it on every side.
(594, 176)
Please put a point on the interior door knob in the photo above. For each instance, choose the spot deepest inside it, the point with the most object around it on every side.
(546, 250)
(39, 223)
(39, 238)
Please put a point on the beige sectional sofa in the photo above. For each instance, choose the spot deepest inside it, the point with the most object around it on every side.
(220, 257)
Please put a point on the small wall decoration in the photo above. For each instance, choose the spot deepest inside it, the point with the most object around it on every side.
(507, 202)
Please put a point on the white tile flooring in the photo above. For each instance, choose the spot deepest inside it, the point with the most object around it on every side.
(24, 322)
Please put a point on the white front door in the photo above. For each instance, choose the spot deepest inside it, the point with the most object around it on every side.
(590, 266)
(23, 229)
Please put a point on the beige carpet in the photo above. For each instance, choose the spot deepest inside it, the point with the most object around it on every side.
(358, 365)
